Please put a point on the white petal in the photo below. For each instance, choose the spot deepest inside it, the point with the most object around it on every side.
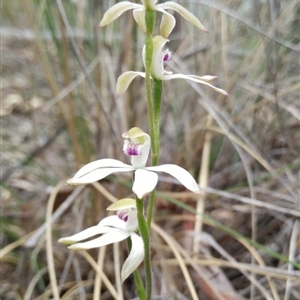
(195, 79)
(116, 11)
(85, 234)
(106, 239)
(167, 24)
(97, 170)
(136, 256)
(183, 12)
(112, 221)
(139, 16)
(180, 174)
(144, 182)
(157, 65)
(125, 79)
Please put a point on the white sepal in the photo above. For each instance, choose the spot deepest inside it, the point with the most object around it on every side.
(115, 236)
(182, 175)
(85, 234)
(116, 11)
(183, 12)
(195, 79)
(96, 175)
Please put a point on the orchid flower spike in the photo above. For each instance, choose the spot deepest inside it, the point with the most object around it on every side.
(137, 145)
(158, 71)
(167, 23)
(114, 229)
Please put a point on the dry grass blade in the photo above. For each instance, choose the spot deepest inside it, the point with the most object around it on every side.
(49, 249)
(99, 271)
(203, 181)
(293, 242)
(179, 259)
(35, 238)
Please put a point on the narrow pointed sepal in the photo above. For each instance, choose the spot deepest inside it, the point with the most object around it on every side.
(97, 170)
(85, 234)
(116, 11)
(197, 79)
(114, 236)
(182, 175)
(183, 12)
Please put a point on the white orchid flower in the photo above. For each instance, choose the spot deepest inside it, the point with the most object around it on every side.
(145, 179)
(114, 229)
(167, 23)
(158, 71)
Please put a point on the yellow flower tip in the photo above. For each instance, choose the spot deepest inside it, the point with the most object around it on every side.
(134, 132)
(206, 31)
(122, 204)
(65, 241)
(72, 183)
(74, 247)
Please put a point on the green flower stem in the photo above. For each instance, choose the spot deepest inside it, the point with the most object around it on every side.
(150, 208)
(149, 19)
(153, 107)
(137, 278)
(156, 93)
(149, 49)
(144, 231)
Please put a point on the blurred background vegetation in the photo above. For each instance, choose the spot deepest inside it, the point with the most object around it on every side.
(59, 111)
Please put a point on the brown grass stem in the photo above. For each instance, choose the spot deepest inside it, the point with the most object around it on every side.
(49, 243)
(203, 182)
